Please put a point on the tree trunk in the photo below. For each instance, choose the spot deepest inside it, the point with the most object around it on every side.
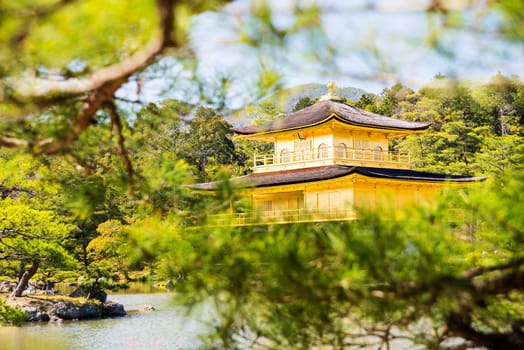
(459, 327)
(24, 279)
(84, 255)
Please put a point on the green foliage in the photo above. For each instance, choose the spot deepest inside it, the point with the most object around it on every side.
(32, 223)
(10, 315)
(499, 154)
(367, 101)
(198, 135)
(450, 150)
(56, 207)
(513, 26)
(303, 102)
(474, 129)
(306, 285)
(122, 178)
(31, 234)
(207, 143)
(501, 99)
(105, 32)
(32, 238)
(388, 103)
(158, 126)
(106, 254)
(153, 239)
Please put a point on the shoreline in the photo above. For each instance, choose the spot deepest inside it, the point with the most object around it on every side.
(57, 308)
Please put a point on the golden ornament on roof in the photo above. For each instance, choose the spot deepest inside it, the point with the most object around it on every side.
(330, 86)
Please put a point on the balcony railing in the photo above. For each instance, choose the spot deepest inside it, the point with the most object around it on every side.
(335, 154)
(281, 217)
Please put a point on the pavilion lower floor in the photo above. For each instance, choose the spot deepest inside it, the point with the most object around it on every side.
(333, 199)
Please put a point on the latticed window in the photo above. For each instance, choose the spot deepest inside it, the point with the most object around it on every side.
(284, 156)
(303, 150)
(322, 151)
(342, 150)
(264, 206)
(360, 148)
(377, 153)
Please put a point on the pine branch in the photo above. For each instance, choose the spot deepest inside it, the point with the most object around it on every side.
(41, 89)
(117, 123)
(459, 325)
(100, 86)
(33, 15)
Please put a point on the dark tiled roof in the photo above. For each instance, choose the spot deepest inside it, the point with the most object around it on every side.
(323, 110)
(287, 177)
(414, 175)
(284, 177)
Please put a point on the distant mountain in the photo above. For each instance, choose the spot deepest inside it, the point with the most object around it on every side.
(287, 98)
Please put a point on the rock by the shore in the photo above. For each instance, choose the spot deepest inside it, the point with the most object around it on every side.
(146, 308)
(65, 310)
(34, 315)
(112, 309)
(89, 311)
(55, 319)
(47, 309)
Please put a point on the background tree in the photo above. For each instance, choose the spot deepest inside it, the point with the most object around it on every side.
(500, 154)
(501, 99)
(463, 126)
(107, 258)
(32, 238)
(367, 101)
(33, 228)
(388, 102)
(158, 127)
(303, 102)
(207, 143)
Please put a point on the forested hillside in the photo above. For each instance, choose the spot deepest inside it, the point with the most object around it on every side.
(476, 129)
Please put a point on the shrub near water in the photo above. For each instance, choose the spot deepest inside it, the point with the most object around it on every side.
(10, 315)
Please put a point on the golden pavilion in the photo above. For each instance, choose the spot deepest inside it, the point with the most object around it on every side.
(328, 160)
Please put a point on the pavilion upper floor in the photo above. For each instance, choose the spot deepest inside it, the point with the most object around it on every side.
(329, 144)
(331, 132)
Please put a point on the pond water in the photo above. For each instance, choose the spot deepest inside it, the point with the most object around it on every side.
(168, 327)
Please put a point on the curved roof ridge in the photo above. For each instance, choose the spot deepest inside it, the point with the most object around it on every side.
(408, 174)
(327, 172)
(323, 110)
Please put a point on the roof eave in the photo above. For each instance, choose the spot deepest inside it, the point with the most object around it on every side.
(327, 119)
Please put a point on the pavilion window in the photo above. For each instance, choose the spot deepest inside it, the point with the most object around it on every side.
(377, 153)
(303, 150)
(284, 156)
(342, 150)
(322, 151)
(360, 149)
(265, 206)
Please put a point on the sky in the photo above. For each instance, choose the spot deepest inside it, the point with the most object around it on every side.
(368, 44)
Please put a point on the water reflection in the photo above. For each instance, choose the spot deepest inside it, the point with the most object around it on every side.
(166, 328)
